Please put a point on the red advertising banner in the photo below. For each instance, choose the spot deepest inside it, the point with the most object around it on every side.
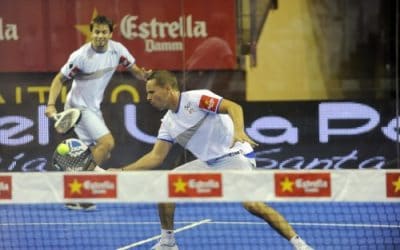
(161, 34)
(393, 185)
(90, 186)
(5, 187)
(303, 185)
(195, 185)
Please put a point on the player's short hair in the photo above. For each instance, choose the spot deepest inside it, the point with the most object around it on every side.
(102, 20)
(164, 78)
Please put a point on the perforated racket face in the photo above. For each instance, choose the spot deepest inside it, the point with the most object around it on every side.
(67, 120)
(80, 162)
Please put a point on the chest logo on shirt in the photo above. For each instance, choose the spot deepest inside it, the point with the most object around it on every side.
(209, 103)
(189, 108)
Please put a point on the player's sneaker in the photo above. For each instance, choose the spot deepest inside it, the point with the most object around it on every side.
(304, 247)
(300, 244)
(81, 206)
(165, 246)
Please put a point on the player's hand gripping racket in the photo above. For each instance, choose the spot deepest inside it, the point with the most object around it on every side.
(66, 120)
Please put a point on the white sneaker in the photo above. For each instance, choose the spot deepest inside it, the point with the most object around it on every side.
(81, 206)
(299, 244)
(165, 246)
(304, 247)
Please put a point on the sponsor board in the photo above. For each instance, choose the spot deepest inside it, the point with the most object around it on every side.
(194, 185)
(90, 186)
(294, 135)
(302, 184)
(393, 185)
(180, 34)
(5, 187)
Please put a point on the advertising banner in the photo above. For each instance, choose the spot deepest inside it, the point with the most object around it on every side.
(161, 34)
(292, 135)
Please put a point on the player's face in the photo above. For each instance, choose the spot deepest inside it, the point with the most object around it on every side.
(156, 95)
(100, 36)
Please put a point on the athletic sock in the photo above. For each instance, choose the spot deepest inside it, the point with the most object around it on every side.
(167, 236)
(297, 241)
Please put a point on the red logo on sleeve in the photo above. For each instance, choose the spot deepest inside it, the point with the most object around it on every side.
(195, 185)
(393, 184)
(208, 103)
(5, 187)
(303, 185)
(90, 186)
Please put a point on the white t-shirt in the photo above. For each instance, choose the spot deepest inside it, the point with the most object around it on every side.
(92, 72)
(198, 127)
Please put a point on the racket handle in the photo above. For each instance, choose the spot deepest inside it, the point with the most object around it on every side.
(55, 117)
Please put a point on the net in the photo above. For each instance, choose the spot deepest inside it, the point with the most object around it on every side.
(331, 210)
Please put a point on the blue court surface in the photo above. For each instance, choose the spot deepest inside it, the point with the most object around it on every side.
(325, 225)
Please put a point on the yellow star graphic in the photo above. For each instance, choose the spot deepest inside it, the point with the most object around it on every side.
(85, 28)
(287, 185)
(396, 185)
(75, 187)
(180, 186)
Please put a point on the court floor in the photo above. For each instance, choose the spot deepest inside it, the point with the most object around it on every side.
(325, 225)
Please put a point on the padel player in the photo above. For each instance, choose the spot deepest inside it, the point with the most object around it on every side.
(90, 68)
(212, 128)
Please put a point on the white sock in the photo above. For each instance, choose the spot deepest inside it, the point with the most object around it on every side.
(98, 169)
(167, 236)
(297, 241)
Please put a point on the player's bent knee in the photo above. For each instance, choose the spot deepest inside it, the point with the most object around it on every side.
(106, 141)
(102, 149)
(110, 145)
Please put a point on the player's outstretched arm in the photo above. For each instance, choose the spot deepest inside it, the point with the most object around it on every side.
(140, 73)
(150, 160)
(55, 90)
(235, 111)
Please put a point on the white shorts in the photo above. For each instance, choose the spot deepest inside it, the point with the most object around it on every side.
(91, 126)
(236, 162)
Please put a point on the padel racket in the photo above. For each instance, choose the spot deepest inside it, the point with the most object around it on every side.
(66, 120)
(78, 157)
